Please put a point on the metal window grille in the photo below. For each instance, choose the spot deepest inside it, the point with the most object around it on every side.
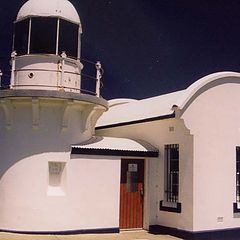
(238, 174)
(172, 172)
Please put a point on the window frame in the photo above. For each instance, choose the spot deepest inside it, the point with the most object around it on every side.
(47, 44)
(171, 174)
(236, 205)
(171, 197)
(16, 36)
(56, 178)
(62, 40)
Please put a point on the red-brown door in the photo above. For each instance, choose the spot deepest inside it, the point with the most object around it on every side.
(131, 194)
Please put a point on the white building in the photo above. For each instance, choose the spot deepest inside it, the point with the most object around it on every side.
(169, 164)
(50, 180)
(193, 186)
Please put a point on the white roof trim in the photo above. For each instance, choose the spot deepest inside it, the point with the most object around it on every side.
(160, 106)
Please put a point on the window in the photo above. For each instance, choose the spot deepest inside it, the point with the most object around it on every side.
(68, 38)
(171, 195)
(56, 179)
(172, 172)
(132, 177)
(236, 205)
(238, 174)
(43, 35)
(21, 37)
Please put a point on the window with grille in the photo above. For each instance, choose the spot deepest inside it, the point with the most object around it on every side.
(172, 172)
(238, 174)
(236, 205)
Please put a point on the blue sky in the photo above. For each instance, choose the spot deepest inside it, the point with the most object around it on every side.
(149, 47)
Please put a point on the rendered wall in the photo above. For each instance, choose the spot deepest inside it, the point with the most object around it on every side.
(89, 187)
(98, 182)
(46, 72)
(158, 134)
(214, 120)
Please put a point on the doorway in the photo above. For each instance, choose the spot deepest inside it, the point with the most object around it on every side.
(131, 193)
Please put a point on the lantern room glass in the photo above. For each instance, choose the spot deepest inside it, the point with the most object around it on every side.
(21, 37)
(68, 38)
(46, 35)
(43, 35)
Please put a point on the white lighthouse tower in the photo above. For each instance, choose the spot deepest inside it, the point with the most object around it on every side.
(44, 112)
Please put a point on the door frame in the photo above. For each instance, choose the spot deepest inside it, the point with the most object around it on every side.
(146, 207)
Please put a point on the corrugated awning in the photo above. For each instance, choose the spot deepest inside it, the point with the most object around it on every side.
(115, 147)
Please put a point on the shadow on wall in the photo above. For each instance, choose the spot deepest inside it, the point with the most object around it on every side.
(23, 140)
(27, 148)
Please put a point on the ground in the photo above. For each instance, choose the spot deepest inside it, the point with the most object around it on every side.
(138, 235)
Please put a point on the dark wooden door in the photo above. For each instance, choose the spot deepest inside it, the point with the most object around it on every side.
(131, 194)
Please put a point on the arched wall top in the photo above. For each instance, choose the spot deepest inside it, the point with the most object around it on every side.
(163, 106)
(205, 83)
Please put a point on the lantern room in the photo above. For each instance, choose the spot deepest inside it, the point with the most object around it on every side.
(48, 28)
(46, 47)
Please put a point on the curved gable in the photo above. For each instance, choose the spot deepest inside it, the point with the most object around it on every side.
(205, 83)
(131, 111)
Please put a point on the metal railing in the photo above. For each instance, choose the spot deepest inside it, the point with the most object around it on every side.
(89, 84)
(172, 188)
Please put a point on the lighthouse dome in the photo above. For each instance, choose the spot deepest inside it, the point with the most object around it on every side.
(45, 8)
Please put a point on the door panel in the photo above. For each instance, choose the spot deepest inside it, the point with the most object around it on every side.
(131, 194)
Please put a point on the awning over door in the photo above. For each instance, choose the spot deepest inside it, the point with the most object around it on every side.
(112, 146)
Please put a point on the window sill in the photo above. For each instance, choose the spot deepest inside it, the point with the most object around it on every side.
(55, 191)
(170, 206)
(236, 207)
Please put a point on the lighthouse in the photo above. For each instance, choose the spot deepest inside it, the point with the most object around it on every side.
(43, 113)
(56, 175)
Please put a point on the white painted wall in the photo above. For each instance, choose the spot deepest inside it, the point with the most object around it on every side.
(214, 120)
(207, 156)
(98, 195)
(157, 133)
(89, 194)
(47, 72)
(90, 185)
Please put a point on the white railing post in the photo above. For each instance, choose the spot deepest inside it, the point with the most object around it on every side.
(98, 78)
(13, 58)
(64, 56)
(1, 78)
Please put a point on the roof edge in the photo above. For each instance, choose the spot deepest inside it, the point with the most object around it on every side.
(137, 121)
(114, 152)
(52, 94)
